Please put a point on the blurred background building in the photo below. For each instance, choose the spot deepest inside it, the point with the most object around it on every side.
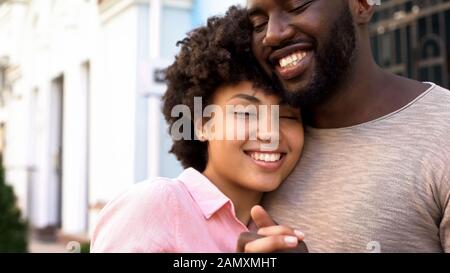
(411, 38)
(80, 93)
(80, 99)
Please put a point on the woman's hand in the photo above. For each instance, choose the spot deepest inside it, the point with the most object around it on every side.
(270, 236)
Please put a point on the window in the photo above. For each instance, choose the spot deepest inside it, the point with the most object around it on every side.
(176, 22)
(2, 79)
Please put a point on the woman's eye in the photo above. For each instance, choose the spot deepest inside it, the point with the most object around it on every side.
(260, 27)
(259, 23)
(289, 117)
(244, 114)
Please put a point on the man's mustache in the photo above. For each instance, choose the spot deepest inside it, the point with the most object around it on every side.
(287, 43)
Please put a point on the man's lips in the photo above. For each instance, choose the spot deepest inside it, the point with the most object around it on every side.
(291, 61)
(295, 68)
(276, 55)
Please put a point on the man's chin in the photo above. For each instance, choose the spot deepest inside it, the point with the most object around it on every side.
(304, 95)
(296, 85)
(297, 89)
(296, 98)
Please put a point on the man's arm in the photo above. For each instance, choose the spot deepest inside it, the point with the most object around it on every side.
(444, 228)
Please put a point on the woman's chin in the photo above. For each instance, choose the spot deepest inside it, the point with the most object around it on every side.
(265, 183)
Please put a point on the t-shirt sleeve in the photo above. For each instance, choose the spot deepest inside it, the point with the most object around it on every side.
(139, 220)
(444, 199)
(444, 229)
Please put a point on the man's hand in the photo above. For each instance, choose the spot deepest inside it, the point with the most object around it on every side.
(270, 236)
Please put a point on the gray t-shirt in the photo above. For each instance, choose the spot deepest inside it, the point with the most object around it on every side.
(381, 186)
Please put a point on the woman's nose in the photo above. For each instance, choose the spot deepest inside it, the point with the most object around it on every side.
(267, 136)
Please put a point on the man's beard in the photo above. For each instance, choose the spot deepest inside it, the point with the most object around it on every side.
(334, 62)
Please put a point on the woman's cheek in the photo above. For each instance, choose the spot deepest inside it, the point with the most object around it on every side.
(294, 136)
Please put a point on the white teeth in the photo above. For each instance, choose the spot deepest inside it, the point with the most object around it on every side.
(267, 157)
(292, 60)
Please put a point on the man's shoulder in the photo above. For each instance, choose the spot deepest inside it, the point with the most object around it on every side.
(438, 96)
(440, 89)
(431, 107)
(436, 106)
(431, 110)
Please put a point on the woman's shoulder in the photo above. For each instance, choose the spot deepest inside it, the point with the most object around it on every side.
(140, 219)
(150, 192)
(159, 185)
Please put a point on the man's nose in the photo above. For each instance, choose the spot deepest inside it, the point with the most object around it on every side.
(278, 30)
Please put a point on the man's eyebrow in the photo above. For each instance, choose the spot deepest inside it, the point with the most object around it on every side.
(255, 11)
(246, 97)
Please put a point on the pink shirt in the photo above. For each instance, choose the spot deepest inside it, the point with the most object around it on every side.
(186, 214)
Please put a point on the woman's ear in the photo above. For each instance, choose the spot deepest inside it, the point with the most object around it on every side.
(199, 130)
(362, 10)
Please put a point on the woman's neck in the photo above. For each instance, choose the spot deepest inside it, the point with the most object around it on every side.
(243, 198)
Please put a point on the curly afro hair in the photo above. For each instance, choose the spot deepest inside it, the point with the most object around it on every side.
(211, 56)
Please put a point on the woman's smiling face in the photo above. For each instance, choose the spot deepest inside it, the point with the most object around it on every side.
(247, 161)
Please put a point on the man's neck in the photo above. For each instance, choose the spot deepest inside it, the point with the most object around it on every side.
(365, 96)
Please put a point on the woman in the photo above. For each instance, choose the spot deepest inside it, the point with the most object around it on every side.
(208, 206)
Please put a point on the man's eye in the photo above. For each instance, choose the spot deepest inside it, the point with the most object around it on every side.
(300, 8)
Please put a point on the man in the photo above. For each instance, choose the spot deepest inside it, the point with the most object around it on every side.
(375, 171)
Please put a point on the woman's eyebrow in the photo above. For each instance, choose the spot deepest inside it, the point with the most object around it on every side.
(246, 97)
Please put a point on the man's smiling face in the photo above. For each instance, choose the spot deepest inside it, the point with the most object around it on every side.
(307, 45)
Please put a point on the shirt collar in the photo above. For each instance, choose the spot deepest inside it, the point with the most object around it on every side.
(207, 196)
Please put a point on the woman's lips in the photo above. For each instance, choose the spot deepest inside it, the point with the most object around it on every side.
(267, 161)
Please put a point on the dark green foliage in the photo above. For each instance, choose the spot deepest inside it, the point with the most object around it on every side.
(13, 230)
